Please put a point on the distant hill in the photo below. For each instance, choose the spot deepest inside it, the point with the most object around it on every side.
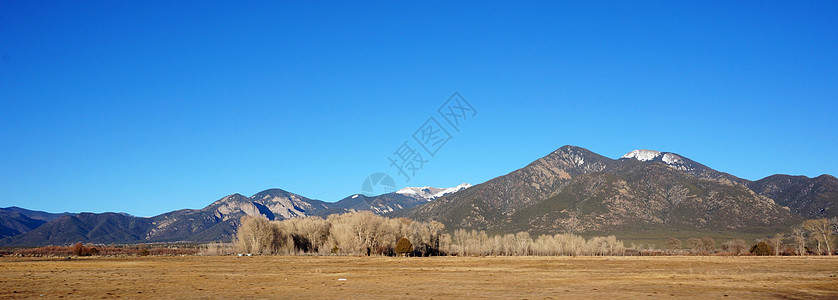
(16, 220)
(810, 198)
(37, 215)
(13, 223)
(103, 228)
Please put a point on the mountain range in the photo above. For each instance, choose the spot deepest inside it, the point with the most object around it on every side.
(569, 190)
(215, 222)
(575, 190)
(16, 220)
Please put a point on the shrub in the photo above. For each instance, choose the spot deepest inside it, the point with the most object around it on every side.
(708, 244)
(403, 247)
(80, 250)
(762, 249)
(143, 251)
(673, 244)
(77, 249)
(173, 251)
(46, 251)
(215, 249)
(735, 246)
(695, 245)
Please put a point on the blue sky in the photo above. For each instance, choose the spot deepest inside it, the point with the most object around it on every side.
(148, 107)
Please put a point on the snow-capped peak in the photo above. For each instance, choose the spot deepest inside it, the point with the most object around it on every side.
(430, 193)
(643, 154)
(671, 159)
(408, 191)
(450, 190)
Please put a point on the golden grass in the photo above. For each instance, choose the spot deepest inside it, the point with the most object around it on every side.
(436, 277)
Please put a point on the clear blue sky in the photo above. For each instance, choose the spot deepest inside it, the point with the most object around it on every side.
(147, 107)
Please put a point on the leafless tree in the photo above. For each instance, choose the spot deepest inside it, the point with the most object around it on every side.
(798, 236)
(735, 246)
(695, 245)
(308, 234)
(673, 245)
(821, 232)
(343, 237)
(522, 243)
(257, 235)
(461, 241)
(708, 244)
(777, 243)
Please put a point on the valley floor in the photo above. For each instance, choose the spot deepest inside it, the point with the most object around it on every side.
(436, 277)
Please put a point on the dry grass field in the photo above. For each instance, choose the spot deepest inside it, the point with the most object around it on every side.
(436, 277)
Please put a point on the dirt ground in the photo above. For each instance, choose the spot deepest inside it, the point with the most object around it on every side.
(436, 277)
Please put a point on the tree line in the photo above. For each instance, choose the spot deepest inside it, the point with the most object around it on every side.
(364, 233)
(812, 237)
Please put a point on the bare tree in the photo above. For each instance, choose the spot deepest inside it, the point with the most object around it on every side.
(445, 243)
(821, 232)
(308, 234)
(777, 243)
(614, 246)
(571, 244)
(673, 245)
(547, 244)
(257, 235)
(459, 241)
(436, 229)
(695, 245)
(708, 244)
(798, 236)
(508, 242)
(522, 243)
(736, 246)
(483, 245)
(343, 236)
(424, 235)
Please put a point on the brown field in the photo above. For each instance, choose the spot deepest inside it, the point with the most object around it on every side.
(436, 277)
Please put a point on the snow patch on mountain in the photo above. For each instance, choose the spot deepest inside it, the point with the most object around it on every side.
(430, 193)
(670, 159)
(450, 190)
(643, 155)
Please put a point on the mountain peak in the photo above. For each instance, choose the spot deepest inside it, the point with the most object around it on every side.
(642, 155)
(671, 159)
(235, 197)
(274, 192)
(429, 193)
(572, 149)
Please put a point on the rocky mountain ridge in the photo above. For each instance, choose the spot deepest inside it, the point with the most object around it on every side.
(571, 189)
(575, 190)
(217, 221)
